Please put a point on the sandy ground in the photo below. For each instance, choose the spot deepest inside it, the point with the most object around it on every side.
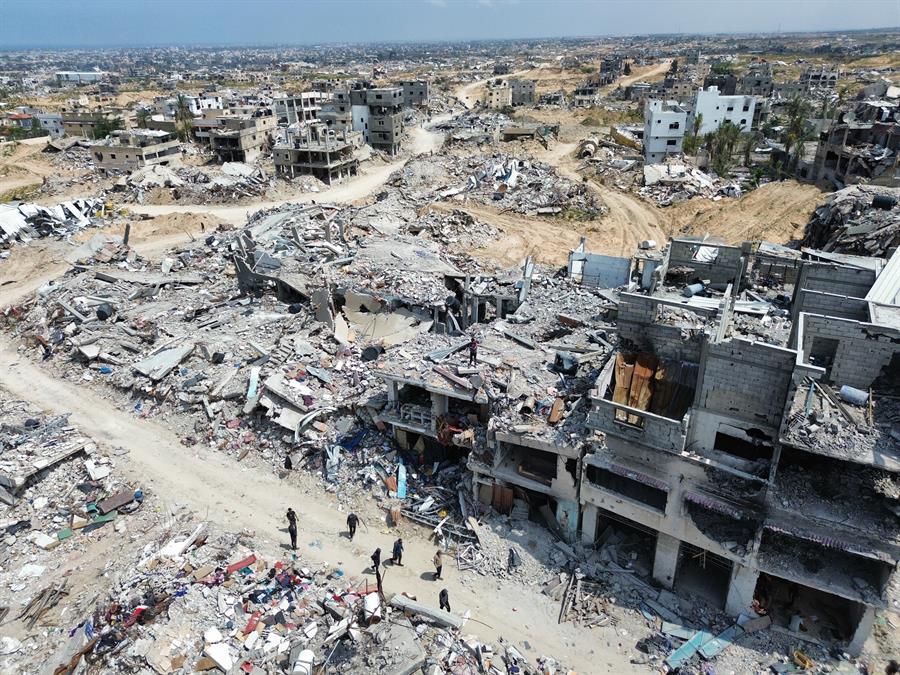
(24, 165)
(775, 212)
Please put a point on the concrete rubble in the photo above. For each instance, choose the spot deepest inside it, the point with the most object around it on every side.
(859, 220)
(26, 221)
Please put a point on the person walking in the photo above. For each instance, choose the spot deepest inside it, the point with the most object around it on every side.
(397, 558)
(438, 564)
(292, 527)
(444, 599)
(352, 522)
(376, 559)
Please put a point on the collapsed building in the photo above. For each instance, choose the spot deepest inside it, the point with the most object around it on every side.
(318, 151)
(135, 149)
(706, 409)
(863, 147)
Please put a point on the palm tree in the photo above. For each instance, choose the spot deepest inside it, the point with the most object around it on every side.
(184, 118)
(750, 141)
(143, 116)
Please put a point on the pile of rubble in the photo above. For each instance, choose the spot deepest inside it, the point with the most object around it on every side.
(518, 185)
(27, 221)
(231, 182)
(671, 182)
(860, 219)
(474, 128)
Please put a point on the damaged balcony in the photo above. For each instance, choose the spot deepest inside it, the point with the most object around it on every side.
(620, 486)
(644, 400)
(821, 562)
(411, 410)
(725, 521)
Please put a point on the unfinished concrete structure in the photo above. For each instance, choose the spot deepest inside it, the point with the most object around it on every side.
(136, 148)
(317, 151)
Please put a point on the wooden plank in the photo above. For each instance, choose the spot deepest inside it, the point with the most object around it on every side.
(641, 390)
(502, 499)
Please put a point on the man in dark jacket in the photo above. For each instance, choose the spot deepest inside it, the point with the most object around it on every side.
(444, 599)
(352, 522)
(397, 558)
(292, 527)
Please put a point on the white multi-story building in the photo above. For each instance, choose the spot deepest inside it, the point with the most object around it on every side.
(717, 109)
(664, 125)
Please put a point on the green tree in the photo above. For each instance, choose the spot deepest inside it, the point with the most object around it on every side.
(673, 67)
(184, 118)
(692, 138)
(749, 143)
(796, 130)
(627, 69)
(721, 145)
(106, 126)
(143, 116)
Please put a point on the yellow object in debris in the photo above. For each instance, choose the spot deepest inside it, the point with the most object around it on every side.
(442, 513)
(802, 660)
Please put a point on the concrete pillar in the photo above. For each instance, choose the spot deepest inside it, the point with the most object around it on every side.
(567, 518)
(665, 561)
(740, 589)
(862, 632)
(589, 515)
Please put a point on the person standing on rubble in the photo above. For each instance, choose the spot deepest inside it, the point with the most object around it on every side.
(438, 564)
(292, 527)
(352, 522)
(397, 558)
(473, 352)
(444, 599)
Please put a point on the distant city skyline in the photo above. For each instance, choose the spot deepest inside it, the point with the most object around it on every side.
(114, 23)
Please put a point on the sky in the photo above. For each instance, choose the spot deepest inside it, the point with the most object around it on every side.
(99, 23)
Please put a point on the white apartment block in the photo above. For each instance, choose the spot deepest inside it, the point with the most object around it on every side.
(717, 109)
(664, 125)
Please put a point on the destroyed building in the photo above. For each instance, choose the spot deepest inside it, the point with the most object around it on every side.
(497, 94)
(714, 411)
(241, 138)
(292, 108)
(317, 151)
(136, 148)
(863, 147)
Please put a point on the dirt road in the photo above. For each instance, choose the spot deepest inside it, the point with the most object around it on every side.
(19, 168)
(422, 141)
(238, 496)
(629, 220)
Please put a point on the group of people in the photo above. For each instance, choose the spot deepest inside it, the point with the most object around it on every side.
(396, 552)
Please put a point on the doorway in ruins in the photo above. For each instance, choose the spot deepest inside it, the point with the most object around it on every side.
(807, 611)
(703, 573)
(625, 542)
